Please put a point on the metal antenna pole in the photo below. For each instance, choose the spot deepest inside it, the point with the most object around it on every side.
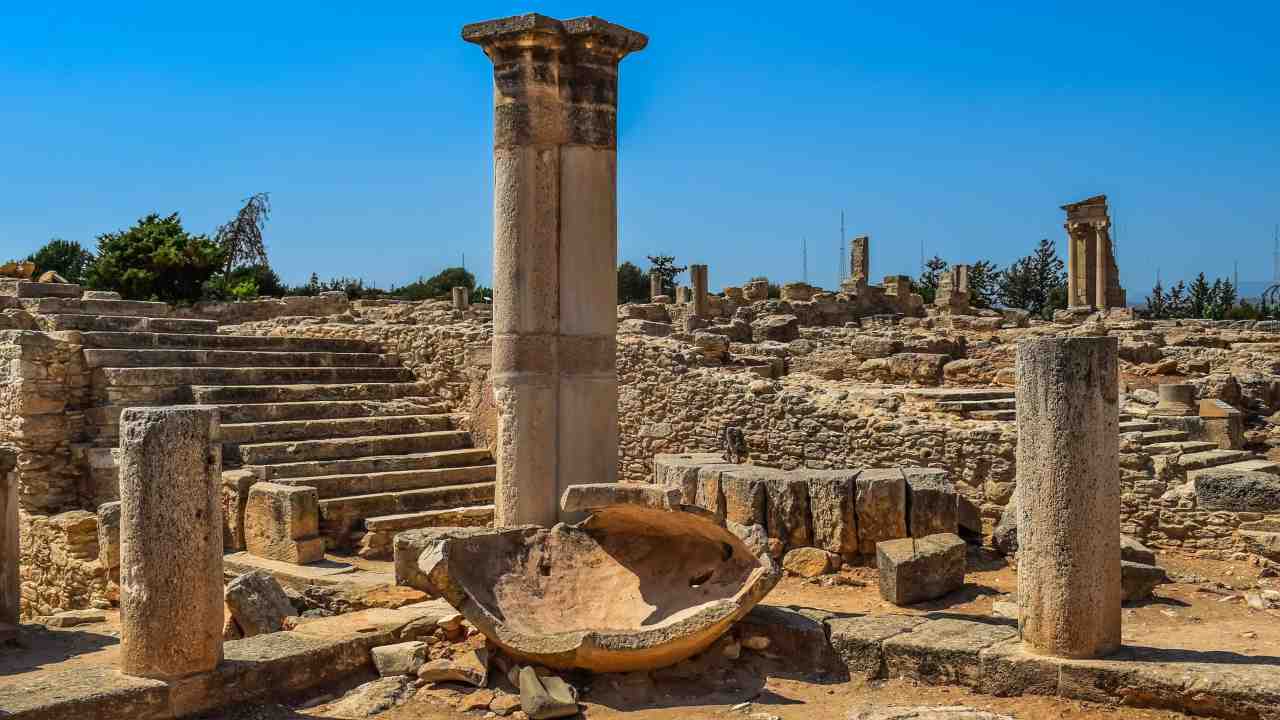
(804, 259)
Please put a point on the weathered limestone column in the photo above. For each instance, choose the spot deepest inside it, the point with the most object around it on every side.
(1073, 267)
(655, 285)
(461, 298)
(1068, 488)
(10, 582)
(170, 541)
(698, 277)
(1176, 400)
(555, 255)
(1102, 258)
(860, 261)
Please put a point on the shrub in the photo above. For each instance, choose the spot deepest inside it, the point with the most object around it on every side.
(156, 259)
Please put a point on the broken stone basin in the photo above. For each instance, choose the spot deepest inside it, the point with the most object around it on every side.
(642, 583)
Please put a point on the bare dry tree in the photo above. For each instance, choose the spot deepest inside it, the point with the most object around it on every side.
(241, 239)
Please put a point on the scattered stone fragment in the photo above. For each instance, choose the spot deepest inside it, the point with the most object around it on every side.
(546, 697)
(471, 667)
(258, 603)
(72, 618)
(806, 562)
(372, 698)
(504, 704)
(914, 570)
(1134, 551)
(949, 712)
(478, 700)
(756, 642)
(400, 659)
(1139, 580)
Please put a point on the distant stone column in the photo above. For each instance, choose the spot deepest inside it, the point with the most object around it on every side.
(461, 298)
(1073, 267)
(555, 255)
(698, 277)
(1176, 400)
(170, 541)
(860, 261)
(1068, 493)
(655, 285)
(1101, 262)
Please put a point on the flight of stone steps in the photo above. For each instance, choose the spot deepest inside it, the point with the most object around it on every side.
(337, 415)
(979, 404)
(1182, 458)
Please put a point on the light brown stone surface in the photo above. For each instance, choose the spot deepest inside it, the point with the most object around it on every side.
(170, 542)
(282, 522)
(1069, 496)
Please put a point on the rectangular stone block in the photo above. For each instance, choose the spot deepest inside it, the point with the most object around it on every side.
(745, 495)
(914, 570)
(832, 512)
(235, 493)
(282, 522)
(857, 640)
(681, 471)
(787, 508)
(944, 651)
(931, 502)
(881, 503)
(1007, 670)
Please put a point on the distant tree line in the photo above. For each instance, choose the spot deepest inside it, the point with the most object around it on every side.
(1217, 301)
(1036, 283)
(157, 259)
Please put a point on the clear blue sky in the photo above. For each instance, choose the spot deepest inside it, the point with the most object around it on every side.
(743, 128)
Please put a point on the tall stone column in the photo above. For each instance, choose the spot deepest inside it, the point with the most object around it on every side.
(698, 277)
(170, 541)
(10, 581)
(555, 255)
(461, 297)
(1068, 493)
(1073, 267)
(1102, 258)
(655, 285)
(860, 261)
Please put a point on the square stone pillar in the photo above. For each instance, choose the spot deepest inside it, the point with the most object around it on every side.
(555, 255)
(655, 285)
(461, 297)
(1102, 262)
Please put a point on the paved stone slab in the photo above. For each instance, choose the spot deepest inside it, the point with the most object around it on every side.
(944, 651)
(95, 691)
(856, 640)
(1008, 670)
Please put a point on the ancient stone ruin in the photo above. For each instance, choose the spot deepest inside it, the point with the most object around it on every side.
(720, 503)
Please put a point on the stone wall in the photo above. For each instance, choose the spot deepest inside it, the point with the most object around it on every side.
(326, 303)
(667, 405)
(60, 568)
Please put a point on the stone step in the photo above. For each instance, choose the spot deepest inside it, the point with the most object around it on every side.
(975, 405)
(470, 516)
(341, 515)
(1185, 447)
(960, 394)
(328, 409)
(357, 465)
(240, 376)
(1256, 465)
(1213, 458)
(331, 486)
(11, 287)
(147, 358)
(1003, 415)
(107, 323)
(352, 447)
(278, 431)
(1138, 426)
(1153, 437)
(205, 341)
(124, 308)
(255, 394)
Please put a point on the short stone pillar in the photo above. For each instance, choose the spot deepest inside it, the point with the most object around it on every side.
(1176, 400)
(698, 277)
(170, 541)
(461, 297)
(10, 582)
(282, 523)
(733, 293)
(1068, 495)
(655, 285)
(555, 255)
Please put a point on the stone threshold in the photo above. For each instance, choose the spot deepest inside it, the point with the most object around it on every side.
(986, 655)
(320, 652)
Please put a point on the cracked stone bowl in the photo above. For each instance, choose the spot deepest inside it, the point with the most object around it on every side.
(642, 583)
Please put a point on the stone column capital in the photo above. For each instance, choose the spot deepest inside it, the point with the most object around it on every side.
(585, 34)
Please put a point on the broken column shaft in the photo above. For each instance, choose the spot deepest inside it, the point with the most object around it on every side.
(171, 607)
(698, 278)
(1068, 492)
(555, 255)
